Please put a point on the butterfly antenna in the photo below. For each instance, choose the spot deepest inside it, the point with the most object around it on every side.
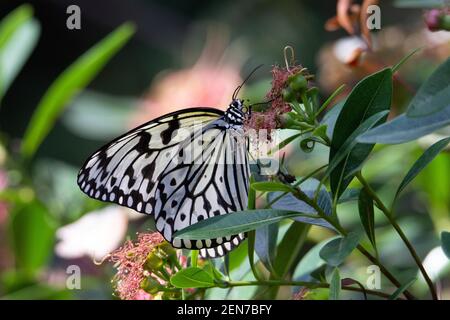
(236, 91)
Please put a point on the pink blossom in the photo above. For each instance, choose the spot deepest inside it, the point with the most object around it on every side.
(268, 119)
(129, 261)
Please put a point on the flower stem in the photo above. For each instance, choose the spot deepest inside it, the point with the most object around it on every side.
(335, 223)
(400, 232)
(310, 285)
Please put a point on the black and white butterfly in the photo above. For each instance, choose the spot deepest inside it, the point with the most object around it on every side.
(183, 167)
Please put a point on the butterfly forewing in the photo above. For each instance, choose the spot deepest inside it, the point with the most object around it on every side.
(183, 167)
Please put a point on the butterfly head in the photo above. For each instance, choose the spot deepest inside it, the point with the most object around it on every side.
(236, 112)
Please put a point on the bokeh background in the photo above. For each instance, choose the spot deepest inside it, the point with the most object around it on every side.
(194, 53)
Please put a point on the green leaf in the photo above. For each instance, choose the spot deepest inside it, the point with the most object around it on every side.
(433, 95)
(270, 186)
(402, 289)
(13, 21)
(403, 128)
(335, 251)
(366, 214)
(234, 223)
(331, 116)
(192, 277)
(18, 36)
(266, 244)
(290, 202)
(32, 233)
(335, 285)
(289, 248)
(404, 59)
(311, 261)
(68, 84)
(348, 195)
(428, 111)
(445, 243)
(422, 162)
(370, 96)
(351, 143)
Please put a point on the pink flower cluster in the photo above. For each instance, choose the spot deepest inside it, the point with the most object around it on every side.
(129, 261)
(268, 119)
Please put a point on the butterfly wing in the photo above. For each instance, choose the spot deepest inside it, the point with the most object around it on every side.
(155, 169)
(213, 181)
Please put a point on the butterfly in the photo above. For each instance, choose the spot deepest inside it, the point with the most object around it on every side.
(182, 168)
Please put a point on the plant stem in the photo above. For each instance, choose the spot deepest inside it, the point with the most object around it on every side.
(400, 232)
(311, 285)
(332, 220)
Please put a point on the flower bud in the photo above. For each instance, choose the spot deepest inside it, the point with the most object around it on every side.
(150, 285)
(288, 94)
(298, 82)
(153, 262)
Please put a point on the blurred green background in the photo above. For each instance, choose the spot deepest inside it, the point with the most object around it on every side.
(188, 53)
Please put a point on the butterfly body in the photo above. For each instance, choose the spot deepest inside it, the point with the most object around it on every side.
(182, 168)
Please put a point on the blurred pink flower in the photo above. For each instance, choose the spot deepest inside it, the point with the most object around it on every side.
(210, 82)
(129, 261)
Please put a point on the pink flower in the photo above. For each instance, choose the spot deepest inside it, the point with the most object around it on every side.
(435, 19)
(129, 261)
(269, 119)
(210, 82)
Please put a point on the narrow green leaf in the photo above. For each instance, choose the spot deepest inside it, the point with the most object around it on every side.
(404, 59)
(289, 248)
(192, 277)
(270, 186)
(402, 289)
(366, 214)
(266, 244)
(234, 223)
(68, 84)
(422, 162)
(335, 251)
(445, 243)
(12, 22)
(370, 96)
(433, 95)
(403, 128)
(32, 233)
(19, 33)
(335, 285)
